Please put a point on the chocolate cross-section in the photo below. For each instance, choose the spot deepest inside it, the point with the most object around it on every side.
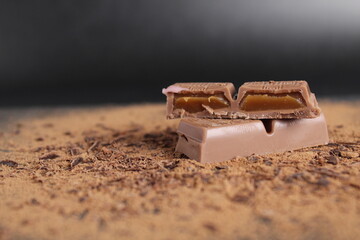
(255, 100)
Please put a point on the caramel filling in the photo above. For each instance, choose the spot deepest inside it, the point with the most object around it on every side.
(193, 104)
(261, 102)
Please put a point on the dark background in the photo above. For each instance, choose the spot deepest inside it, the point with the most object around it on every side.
(108, 51)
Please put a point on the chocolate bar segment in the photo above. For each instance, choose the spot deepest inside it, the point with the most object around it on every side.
(198, 99)
(215, 140)
(276, 100)
(256, 100)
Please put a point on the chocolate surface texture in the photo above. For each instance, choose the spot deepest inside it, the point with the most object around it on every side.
(215, 140)
(255, 100)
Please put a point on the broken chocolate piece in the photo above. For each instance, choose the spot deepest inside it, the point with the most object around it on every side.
(200, 139)
(256, 100)
(277, 100)
(198, 99)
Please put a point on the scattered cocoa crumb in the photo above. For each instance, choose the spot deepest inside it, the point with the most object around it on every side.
(74, 151)
(5, 150)
(152, 135)
(326, 172)
(354, 185)
(39, 139)
(172, 164)
(210, 226)
(33, 201)
(265, 219)
(94, 145)
(332, 160)
(156, 211)
(9, 163)
(323, 182)
(83, 214)
(241, 198)
(101, 224)
(221, 167)
(133, 174)
(75, 162)
(253, 158)
(267, 162)
(49, 156)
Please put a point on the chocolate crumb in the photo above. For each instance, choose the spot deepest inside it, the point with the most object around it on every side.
(267, 162)
(9, 163)
(221, 167)
(156, 211)
(332, 160)
(102, 224)
(74, 151)
(335, 152)
(49, 156)
(83, 214)
(94, 145)
(210, 226)
(138, 177)
(76, 161)
(152, 135)
(33, 201)
(172, 165)
(253, 158)
(264, 219)
(240, 198)
(354, 185)
(5, 150)
(39, 139)
(323, 182)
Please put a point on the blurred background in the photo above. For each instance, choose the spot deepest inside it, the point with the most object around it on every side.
(111, 51)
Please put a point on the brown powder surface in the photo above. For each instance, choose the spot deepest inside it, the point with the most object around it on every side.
(111, 173)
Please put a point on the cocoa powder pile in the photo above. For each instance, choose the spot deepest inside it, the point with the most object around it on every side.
(111, 172)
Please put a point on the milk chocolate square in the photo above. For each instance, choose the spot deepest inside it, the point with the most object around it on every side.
(215, 140)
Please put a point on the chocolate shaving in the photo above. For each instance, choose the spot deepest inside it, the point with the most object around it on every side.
(76, 161)
(9, 163)
(93, 146)
(49, 156)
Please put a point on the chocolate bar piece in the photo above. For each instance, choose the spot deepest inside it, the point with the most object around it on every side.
(215, 140)
(255, 100)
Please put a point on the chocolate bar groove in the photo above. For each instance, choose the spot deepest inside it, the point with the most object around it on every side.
(268, 125)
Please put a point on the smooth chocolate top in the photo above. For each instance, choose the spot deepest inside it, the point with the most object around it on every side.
(213, 140)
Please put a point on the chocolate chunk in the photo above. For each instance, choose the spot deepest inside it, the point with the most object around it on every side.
(256, 100)
(214, 140)
(198, 99)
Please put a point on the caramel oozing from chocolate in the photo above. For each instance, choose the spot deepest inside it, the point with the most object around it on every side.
(193, 104)
(263, 102)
